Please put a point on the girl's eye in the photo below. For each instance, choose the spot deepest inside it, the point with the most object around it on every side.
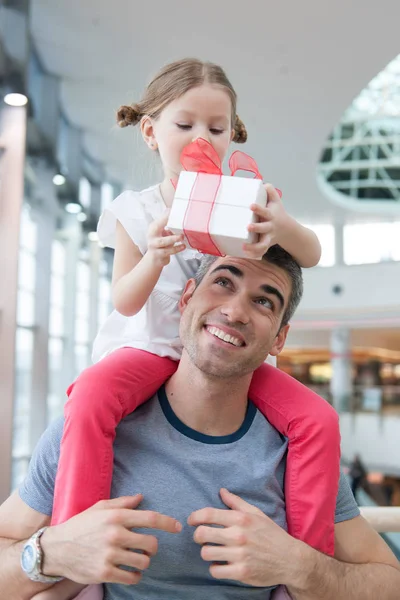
(184, 126)
(216, 131)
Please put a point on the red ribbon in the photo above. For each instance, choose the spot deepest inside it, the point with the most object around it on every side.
(200, 157)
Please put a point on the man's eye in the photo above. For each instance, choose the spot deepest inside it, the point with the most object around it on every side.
(265, 302)
(184, 126)
(222, 281)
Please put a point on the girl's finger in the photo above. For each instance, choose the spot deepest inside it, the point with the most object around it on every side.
(175, 249)
(167, 241)
(261, 228)
(263, 212)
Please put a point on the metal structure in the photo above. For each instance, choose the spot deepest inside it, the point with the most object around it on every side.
(361, 159)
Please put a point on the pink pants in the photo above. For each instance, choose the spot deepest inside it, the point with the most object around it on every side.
(111, 389)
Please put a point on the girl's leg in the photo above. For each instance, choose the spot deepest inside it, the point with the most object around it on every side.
(313, 462)
(98, 400)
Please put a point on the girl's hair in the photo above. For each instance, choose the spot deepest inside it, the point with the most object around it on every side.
(173, 81)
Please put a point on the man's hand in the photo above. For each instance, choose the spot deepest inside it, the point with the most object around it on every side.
(257, 551)
(91, 547)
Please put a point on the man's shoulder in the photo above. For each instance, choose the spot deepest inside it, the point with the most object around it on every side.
(37, 489)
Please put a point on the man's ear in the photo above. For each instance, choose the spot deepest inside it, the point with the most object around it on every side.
(187, 294)
(279, 341)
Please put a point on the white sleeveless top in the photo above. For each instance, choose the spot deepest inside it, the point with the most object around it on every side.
(155, 328)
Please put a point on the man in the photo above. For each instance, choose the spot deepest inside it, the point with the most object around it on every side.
(185, 451)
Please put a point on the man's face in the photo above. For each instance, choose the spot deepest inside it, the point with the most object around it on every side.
(232, 320)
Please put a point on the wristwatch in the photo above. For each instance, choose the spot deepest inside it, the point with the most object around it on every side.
(32, 559)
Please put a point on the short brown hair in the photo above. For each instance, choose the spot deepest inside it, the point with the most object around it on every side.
(173, 81)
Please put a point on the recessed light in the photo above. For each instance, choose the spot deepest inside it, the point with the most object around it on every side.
(15, 99)
(59, 179)
(73, 208)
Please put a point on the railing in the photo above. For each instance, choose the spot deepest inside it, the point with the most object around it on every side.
(384, 519)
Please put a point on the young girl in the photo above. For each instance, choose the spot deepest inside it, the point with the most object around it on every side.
(137, 348)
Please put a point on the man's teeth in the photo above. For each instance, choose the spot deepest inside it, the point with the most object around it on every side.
(224, 336)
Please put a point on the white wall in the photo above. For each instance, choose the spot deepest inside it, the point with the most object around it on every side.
(376, 438)
(370, 295)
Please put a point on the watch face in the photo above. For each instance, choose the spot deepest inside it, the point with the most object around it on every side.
(28, 559)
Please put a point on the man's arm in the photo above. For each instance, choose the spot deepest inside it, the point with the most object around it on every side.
(364, 568)
(17, 522)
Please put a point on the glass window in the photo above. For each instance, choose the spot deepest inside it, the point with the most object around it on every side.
(81, 357)
(25, 309)
(28, 230)
(57, 395)
(23, 375)
(326, 236)
(26, 270)
(107, 195)
(371, 243)
(58, 257)
(84, 192)
(104, 299)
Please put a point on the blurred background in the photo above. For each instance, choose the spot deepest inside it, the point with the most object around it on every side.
(319, 91)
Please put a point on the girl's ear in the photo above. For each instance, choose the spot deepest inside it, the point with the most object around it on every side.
(147, 129)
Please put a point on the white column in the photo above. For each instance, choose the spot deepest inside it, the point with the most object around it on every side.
(339, 247)
(12, 159)
(341, 383)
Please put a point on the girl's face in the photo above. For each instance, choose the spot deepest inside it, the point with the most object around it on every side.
(202, 112)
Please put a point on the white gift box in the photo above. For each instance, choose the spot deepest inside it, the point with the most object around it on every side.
(217, 208)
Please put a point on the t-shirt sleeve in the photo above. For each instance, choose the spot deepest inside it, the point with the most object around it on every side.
(127, 208)
(37, 489)
(346, 506)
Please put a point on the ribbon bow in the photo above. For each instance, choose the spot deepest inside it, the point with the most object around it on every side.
(200, 157)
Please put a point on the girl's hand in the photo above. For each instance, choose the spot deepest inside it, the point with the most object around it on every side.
(272, 223)
(162, 244)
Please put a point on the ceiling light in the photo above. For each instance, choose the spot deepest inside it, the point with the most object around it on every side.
(93, 237)
(59, 179)
(73, 208)
(15, 99)
(82, 217)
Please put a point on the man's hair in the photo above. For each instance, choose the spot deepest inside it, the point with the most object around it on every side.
(275, 256)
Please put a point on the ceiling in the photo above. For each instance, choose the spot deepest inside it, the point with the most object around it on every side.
(295, 65)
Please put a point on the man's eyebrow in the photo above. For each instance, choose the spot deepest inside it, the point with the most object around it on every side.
(234, 270)
(268, 289)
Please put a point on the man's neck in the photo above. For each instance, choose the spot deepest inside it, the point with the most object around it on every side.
(210, 405)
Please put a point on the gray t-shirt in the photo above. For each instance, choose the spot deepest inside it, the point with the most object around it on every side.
(179, 470)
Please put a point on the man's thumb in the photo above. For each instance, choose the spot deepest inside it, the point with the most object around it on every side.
(237, 503)
(123, 502)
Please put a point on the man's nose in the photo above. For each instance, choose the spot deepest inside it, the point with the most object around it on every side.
(236, 310)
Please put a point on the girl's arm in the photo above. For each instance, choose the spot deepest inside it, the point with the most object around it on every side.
(134, 275)
(300, 242)
(276, 226)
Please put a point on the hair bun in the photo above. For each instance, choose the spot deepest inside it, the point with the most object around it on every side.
(240, 136)
(128, 115)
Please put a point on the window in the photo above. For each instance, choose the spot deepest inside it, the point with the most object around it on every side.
(56, 394)
(326, 236)
(24, 346)
(371, 243)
